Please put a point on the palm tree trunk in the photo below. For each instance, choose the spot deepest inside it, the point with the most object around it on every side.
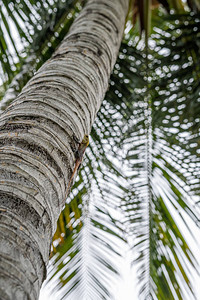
(37, 142)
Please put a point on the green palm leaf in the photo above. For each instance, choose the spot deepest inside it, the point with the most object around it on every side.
(39, 28)
(84, 258)
(159, 156)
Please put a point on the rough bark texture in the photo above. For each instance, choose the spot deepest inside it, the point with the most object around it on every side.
(37, 145)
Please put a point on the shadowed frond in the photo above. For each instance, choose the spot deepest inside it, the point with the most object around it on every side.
(31, 32)
(87, 256)
(162, 171)
(178, 46)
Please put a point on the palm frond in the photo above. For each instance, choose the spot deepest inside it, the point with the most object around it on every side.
(181, 48)
(87, 256)
(39, 28)
(162, 189)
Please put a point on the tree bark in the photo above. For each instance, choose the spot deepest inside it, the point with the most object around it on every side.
(37, 142)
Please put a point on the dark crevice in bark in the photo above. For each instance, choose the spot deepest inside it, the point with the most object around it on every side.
(15, 127)
(96, 43)
(35, 149)
(27, 183)
(41, 122)
(22, 208)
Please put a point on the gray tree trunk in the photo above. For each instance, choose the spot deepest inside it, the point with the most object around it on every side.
(37, 142)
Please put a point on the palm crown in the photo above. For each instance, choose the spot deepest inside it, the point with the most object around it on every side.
(139, 182)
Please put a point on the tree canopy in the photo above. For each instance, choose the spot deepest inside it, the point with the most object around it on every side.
(139, 182)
